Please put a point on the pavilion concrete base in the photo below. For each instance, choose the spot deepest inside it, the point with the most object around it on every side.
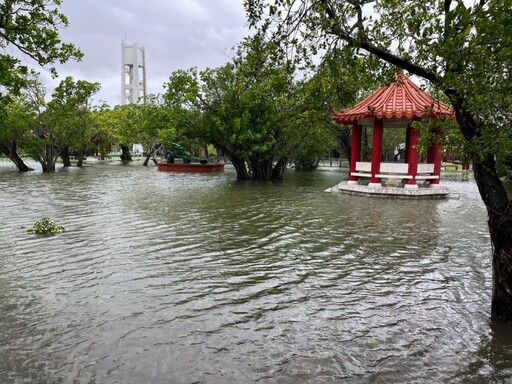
(439, 192)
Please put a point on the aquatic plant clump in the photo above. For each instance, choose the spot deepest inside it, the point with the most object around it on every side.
(46, 227)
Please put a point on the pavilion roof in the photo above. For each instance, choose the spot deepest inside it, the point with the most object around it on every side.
(402, 99)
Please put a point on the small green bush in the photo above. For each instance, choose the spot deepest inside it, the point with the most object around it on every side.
(46, 227)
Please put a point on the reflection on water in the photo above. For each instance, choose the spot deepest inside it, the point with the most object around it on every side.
(176, 278)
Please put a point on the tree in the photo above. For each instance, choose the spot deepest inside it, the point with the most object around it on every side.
(105, 128)
(31, 27)
(15, 123)
(152, 121)
(62, 122)
(465, 51)
(40, 141)
(71, 111)
(248, 108)
(119, 123)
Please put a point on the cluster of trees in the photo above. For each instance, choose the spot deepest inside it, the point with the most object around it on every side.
(253, 110)
(32, 27)
(259, 110)
(68, 124)
(46, 130)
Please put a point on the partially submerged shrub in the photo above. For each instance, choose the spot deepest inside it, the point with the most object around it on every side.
(46, 227)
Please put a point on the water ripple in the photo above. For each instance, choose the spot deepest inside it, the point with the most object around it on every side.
(199, 278)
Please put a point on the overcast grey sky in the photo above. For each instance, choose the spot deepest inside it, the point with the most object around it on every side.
(177, 34)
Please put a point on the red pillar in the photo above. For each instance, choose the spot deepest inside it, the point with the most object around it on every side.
(412, 157)
(355, 151)
(465, 163)
(435, 156)
(378, 130)
(407, 138)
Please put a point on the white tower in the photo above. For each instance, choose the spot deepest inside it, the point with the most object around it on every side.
(133, 73)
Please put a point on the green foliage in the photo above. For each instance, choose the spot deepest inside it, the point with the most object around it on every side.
(319, 142)
(45, 227)
(31, 26)
(167, 136)
(340, 81)
(243, 108)
(451, 137)
(15, 120)
(65, 120)
(149, 123)
(391, 139)
(70, 111)
(102, 127)
(252, 109)
(152, 122)
(118, 123)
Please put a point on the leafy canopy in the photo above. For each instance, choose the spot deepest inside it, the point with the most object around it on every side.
(31, 27)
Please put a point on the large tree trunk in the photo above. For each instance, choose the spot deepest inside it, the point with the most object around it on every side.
(499, 211)
(12, 153)
(279, 168)
(81, 156)
(47, 166)
(66, 161)
(148, 157)
(48, 160)
(125, 153)
(240, 168)
(261, 169)
(150, 153)
(238, 163)
(146, 160)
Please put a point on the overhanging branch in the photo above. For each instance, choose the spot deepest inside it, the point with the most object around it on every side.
(381, 53)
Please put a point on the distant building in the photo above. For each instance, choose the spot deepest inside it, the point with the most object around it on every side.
(133, 73)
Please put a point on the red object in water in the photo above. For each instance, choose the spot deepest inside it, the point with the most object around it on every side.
(191, 167)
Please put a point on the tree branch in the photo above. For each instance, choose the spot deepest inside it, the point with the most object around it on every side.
(381, 53)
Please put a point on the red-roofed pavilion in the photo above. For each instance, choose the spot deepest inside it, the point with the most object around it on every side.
(397, 106)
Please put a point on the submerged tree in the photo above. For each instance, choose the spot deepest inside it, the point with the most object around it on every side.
(15, 123)
(71, 111)
(61, 123)
(251, 108)
(31, 27)
(118, 126)
(125, 128)
(464, 50)
(152, 121)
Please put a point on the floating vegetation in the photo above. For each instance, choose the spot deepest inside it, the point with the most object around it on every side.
(46, 227)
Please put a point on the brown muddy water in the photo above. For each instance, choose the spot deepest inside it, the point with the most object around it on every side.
(182, 278)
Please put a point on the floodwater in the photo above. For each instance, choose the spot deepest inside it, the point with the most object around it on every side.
(182, 278)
